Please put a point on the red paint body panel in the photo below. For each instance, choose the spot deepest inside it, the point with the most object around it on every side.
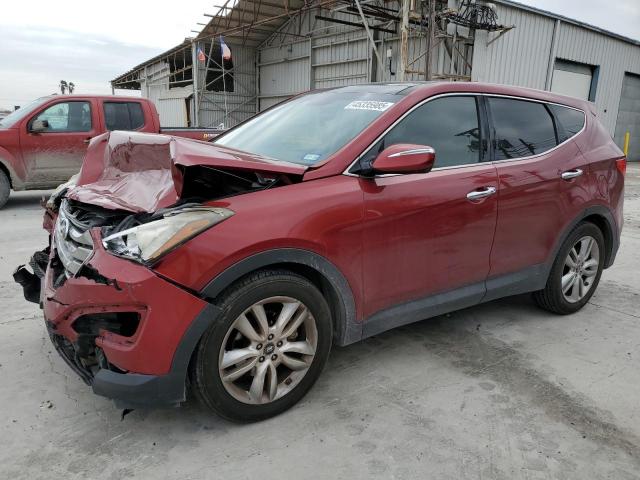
(422, 236)
(534, 205)
(607, 183)
(44, 160)
(323, 216)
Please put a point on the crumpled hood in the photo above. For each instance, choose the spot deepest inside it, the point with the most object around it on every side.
(141, 172)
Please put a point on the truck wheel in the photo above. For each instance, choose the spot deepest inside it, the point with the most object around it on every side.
(5, 188)
(266, 350)
(576, 271)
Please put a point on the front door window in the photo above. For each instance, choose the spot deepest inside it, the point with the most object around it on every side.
(66, 117)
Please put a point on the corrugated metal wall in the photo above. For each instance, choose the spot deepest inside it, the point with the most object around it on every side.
(341, 59)
(522, 56)
(290, 65)
(334, 56)
(283, 71)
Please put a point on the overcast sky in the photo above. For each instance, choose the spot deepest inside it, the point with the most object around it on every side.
(90, 43)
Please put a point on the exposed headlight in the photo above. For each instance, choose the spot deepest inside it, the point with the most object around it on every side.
(148, 242)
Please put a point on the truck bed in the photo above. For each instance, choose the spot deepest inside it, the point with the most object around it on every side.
(204, 134)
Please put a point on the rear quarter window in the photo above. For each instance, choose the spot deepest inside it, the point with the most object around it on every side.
(571, 121)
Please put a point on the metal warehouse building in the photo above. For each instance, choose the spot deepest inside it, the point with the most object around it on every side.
(283, 47)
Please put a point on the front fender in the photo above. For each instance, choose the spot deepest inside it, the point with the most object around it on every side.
(348, 330)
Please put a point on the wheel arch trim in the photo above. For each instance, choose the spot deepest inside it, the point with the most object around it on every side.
(611, 235)
(347, 329)
(5, 167)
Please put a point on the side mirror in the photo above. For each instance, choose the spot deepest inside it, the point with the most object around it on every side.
(40, 126)
(405, 158)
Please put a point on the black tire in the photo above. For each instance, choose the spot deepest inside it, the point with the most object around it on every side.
(204, 371)
(5, 188)
(551, 298)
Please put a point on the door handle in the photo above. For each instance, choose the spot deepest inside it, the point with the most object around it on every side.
(86, 140)
(481, 193)
(568, 175)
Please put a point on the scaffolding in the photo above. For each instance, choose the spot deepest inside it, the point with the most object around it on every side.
(435, 41)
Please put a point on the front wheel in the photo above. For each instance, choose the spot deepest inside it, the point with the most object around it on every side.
(5, 188)
(576, 271)
(267, 348)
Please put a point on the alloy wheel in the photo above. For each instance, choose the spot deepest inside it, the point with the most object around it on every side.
(580, 269)
(268, 350)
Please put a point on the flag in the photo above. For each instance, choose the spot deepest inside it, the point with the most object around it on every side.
(226, 51)
(201, 57)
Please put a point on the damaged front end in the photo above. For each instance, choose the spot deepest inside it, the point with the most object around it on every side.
(147, 195)
(138, 197)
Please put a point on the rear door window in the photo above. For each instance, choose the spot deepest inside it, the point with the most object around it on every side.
(571, 121)
(123, 115)
(521, 128)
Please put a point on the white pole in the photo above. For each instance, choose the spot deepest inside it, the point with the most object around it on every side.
(196, 95)
(404, 42)
(224, 88)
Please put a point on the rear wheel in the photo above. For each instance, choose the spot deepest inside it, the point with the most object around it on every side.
(5, 188)
(576, 271)
(267, 349)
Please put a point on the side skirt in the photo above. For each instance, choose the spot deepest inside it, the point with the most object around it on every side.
(416, 310)
(527, 280)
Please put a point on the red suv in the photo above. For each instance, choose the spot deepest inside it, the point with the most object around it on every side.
(234, 266)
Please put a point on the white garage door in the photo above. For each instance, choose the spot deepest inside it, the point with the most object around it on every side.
(572, 79)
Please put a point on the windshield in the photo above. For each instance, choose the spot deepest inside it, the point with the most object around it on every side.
(310, 128)
(14, 117)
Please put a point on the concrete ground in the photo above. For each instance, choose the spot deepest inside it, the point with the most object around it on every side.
(499, 391)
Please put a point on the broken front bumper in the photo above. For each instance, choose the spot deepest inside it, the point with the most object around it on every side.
(126, 331)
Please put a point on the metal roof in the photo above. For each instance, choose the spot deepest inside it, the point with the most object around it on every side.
(251, 22)
(129, 75)
(562, 18)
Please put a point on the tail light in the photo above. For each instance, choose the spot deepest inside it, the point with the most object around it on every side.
(621, 164)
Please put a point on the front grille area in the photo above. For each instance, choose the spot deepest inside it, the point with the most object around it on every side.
(69, 354)
(73, 243)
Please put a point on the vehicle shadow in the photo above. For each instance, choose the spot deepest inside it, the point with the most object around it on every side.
(390, 374)
(451, 333)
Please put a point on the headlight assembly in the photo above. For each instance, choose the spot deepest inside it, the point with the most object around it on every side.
(148, 242)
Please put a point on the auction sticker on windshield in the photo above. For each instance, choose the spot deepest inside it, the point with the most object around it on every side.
(368, 105)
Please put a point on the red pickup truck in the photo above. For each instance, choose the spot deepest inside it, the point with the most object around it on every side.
(43, 143)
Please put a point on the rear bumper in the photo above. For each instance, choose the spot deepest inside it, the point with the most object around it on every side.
(143, 365)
